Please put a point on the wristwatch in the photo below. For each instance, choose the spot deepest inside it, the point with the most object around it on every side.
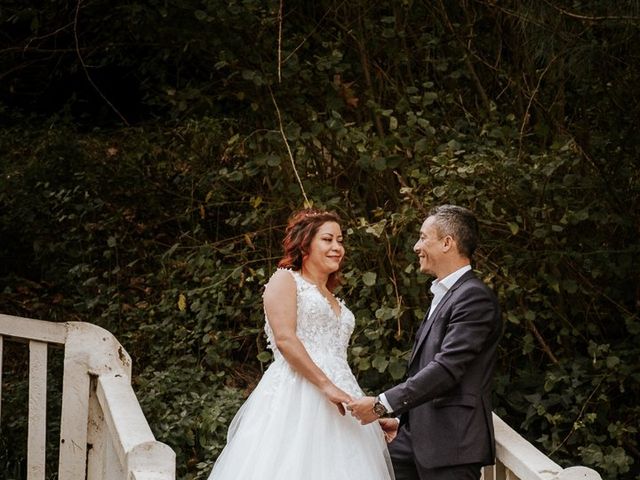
(378, 408)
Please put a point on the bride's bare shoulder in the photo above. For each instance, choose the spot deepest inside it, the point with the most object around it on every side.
(281, 280)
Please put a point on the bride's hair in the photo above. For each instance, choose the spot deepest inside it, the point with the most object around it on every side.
(300, 231)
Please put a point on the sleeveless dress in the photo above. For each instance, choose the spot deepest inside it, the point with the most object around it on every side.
(287, 429)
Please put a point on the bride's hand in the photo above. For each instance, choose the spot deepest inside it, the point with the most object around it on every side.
(337, 396)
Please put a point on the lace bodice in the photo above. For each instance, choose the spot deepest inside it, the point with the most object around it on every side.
(324, 334)
(321, 331)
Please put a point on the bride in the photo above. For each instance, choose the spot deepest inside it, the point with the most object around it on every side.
(293, 426)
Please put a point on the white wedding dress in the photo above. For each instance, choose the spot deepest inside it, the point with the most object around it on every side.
(287, 429)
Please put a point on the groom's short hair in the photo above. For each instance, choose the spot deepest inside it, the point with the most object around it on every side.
(460, 223)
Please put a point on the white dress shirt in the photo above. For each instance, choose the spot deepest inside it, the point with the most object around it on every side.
(439, 288)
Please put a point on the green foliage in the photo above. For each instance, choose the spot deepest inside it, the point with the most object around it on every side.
(165, 232)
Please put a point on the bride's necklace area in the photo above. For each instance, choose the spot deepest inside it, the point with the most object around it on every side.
(326, 293)
(323, 290)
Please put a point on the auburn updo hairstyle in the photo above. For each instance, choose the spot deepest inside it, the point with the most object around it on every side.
(301, 228)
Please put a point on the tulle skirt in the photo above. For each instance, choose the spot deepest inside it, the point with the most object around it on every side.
(288, 430)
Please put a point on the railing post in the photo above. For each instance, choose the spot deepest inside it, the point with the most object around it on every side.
(96, 435)
(150, 461)
(73, 418)
(89, 350)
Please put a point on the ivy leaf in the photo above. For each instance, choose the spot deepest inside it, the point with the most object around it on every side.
(397, 369)
(612, 361)
(369, 278)
(182, 302)
(264, 357)
(380, 363)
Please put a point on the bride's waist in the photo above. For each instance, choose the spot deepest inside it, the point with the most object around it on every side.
(335, 368)
(320, 357)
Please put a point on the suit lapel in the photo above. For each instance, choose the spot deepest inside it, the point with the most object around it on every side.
(421, 328)
(423, 331)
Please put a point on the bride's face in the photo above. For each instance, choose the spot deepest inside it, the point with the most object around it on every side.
(326, 250)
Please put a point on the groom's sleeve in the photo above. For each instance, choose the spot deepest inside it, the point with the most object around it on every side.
(385, 402)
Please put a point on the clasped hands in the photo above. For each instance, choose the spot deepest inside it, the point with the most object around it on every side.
(362, 409)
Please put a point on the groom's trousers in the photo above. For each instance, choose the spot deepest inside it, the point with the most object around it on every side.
(406, 468)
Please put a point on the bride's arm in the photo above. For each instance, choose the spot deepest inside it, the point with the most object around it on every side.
(280, 305)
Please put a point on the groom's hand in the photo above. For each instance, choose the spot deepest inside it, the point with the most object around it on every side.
(362, 409)
(389, 427)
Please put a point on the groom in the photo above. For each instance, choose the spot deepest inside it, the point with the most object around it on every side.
(444, 405)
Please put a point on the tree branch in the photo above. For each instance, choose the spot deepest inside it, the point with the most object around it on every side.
(590, 18)
(472, 71)
(284, 137)
(545, 346)
(86, 71)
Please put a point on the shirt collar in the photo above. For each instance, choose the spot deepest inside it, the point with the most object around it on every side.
(443, 286)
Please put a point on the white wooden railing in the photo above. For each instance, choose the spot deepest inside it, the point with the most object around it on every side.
(103, 432)
(105, 436)
(517, 459)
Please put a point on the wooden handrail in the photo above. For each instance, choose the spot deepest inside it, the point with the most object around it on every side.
(136, 446)
(28, 329)
(517, 459)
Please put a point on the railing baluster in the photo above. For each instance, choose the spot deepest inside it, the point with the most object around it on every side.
(74, 416)
(488, 473)
(96, 437)
(499, 472)
(37, 430)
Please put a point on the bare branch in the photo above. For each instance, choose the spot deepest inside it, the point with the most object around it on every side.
(84, 66)
(533, 94)
(280, 10)
(584, 406)
(42, 37)
(470, 68)
(284, 137)
(545, 346)
(312, 31)
(590, 18)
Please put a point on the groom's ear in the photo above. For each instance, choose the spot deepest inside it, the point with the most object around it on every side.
(448, 243)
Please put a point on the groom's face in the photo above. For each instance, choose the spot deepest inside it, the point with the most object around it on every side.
(429, 247)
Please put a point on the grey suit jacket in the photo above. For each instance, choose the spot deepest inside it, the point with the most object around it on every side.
(446, 400)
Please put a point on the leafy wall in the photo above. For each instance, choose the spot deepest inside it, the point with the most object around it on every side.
(146, 183)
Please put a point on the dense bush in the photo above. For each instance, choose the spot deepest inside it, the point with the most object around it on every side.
(164, 231)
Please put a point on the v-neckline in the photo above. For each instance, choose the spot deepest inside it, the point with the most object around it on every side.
(337, 314)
